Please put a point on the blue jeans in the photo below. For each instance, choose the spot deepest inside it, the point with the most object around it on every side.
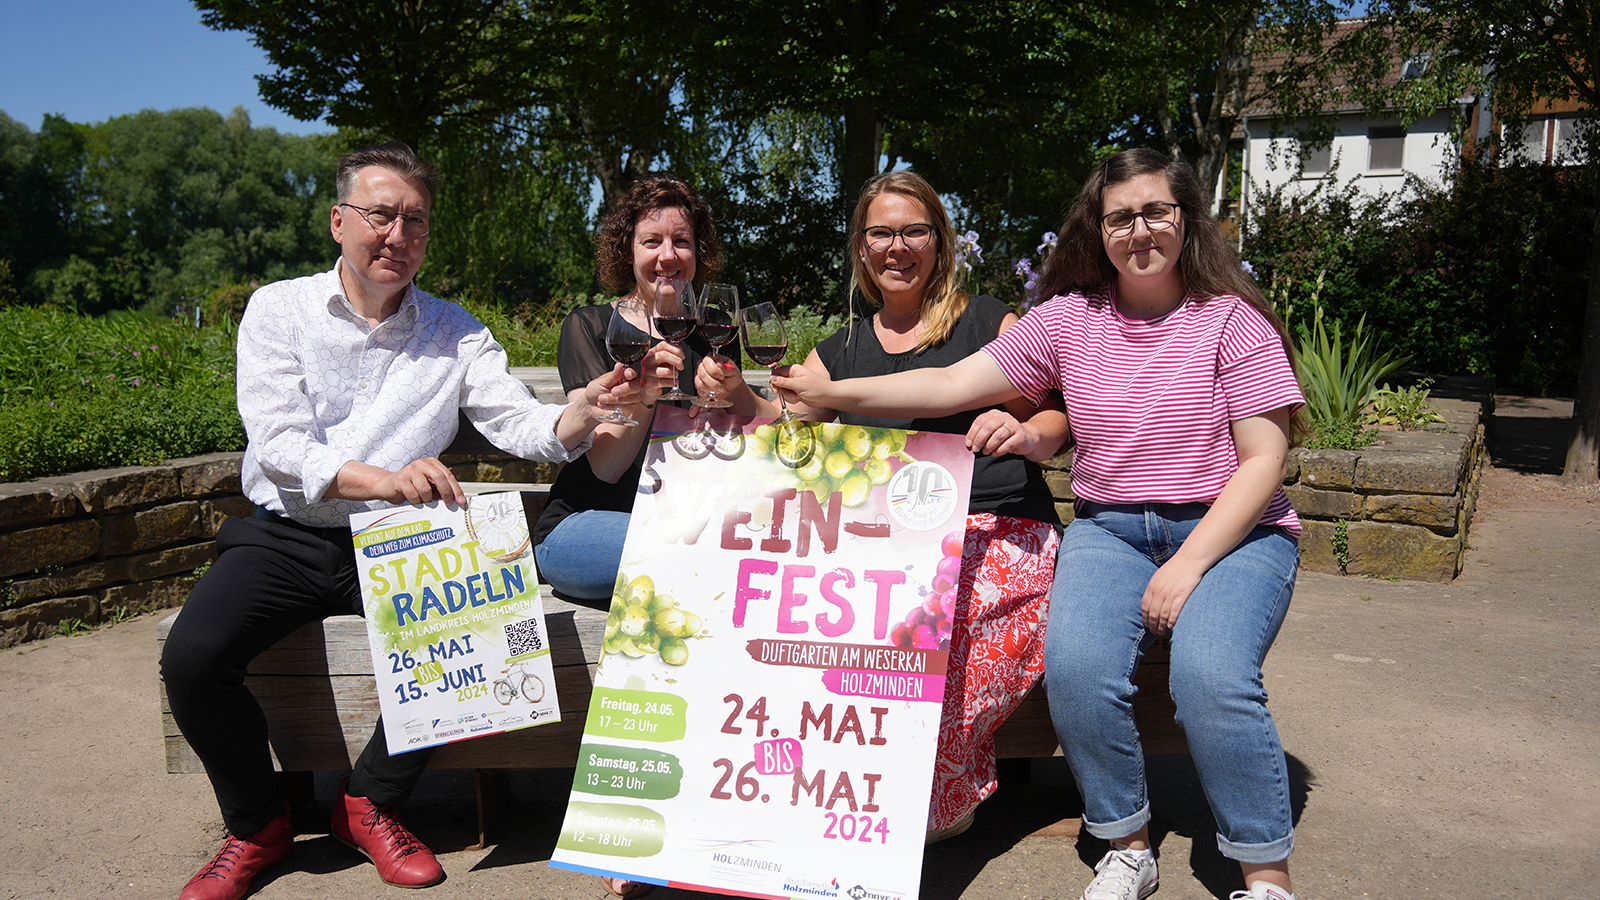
(580, 557)
(1096, 638)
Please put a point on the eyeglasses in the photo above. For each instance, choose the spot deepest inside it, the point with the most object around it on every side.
(1156, 216)
(381, 219)
(916, 236)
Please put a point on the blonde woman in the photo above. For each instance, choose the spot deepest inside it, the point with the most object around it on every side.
(915, 315)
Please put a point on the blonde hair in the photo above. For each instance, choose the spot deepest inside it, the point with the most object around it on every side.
(944, 301)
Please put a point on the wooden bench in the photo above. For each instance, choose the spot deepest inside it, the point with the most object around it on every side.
(321, 702)
(320, 697)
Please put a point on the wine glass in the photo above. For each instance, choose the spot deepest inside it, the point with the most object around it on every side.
(675, 319)
(766, 341)
(628, 344)
(718, 311)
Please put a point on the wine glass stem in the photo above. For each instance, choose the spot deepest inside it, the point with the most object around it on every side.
(782, 403)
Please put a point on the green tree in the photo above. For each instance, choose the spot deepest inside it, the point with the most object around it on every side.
(156, 208)
(891, 71)
(405, 70)
(1526, 52)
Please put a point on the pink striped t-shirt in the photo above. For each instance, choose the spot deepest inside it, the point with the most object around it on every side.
(1150, 401)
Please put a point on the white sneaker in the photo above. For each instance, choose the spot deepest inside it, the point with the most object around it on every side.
(1262, 890)
(1124, 875)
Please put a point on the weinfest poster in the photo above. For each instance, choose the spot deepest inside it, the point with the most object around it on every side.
(766, 711)
(454, 620)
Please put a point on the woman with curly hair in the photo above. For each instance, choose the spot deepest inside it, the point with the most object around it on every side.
(658, 232)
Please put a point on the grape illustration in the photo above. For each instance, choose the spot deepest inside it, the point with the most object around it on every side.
(642, 622)
(846, 459)
(928, 625)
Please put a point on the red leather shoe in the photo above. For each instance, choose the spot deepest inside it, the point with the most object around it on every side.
(228, 875)
(402, 860)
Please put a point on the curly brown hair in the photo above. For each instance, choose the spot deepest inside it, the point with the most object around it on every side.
(613, 243)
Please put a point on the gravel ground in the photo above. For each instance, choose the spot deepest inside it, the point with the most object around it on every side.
(1441, 740)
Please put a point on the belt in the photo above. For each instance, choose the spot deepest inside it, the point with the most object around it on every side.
(333, 535)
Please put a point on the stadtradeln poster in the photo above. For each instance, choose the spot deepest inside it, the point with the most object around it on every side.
(454, 620)
(766, 711)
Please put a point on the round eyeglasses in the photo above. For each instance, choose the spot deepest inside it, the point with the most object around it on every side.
(915, 236)
(382, 219)
(1156, 216)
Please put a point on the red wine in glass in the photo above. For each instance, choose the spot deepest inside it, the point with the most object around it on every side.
(628, 344)
(675, 319)
(718, 334)
(717, 309)
(768, 355)
(675, 328)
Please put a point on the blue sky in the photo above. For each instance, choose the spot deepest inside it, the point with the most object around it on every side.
(90, 60)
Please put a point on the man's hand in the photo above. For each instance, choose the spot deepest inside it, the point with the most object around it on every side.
(423, 481)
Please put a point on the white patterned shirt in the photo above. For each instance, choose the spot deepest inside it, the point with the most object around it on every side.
(319, 387)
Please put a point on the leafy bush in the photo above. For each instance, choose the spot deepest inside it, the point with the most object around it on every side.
(1337, 377)
(83, 393)
(1486, 276)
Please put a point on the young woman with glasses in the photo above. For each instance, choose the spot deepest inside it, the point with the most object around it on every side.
(914, 316)
(1181, 396)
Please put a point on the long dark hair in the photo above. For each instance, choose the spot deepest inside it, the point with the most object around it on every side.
(1207, 262)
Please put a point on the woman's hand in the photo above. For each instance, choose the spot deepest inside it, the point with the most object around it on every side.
(718, 376)
(799, 384)
(997, 432)
(1168, 591)
(661, 368)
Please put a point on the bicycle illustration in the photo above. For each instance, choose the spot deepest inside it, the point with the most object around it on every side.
(518, 680)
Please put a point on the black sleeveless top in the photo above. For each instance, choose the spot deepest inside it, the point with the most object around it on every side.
(581, 357)
(1007, 485)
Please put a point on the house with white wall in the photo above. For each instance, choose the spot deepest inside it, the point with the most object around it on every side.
(1381, 154)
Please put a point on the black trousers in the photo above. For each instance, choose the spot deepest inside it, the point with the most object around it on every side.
(271, 577)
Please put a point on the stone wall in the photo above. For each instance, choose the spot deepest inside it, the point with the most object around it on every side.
(1400, 508)
(97, 546)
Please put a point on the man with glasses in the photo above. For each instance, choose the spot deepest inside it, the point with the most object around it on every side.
(350, 385)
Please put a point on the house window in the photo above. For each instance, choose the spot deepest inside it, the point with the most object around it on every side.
(1415, 67)
(1386, 148)
(1570, 146)
(1314, 158)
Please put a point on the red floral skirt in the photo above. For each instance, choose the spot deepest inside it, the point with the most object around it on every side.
(996, 653)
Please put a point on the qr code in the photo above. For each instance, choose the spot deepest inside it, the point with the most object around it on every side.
(523, 637)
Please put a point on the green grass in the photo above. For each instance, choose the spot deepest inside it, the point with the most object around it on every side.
(80, 393)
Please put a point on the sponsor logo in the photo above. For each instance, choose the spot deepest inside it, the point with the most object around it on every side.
(860, 893)
(449, 733)
(417, 740)
(416, 725)
(509, 721)
(802, 887)
(746, 862)
(487, 726)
